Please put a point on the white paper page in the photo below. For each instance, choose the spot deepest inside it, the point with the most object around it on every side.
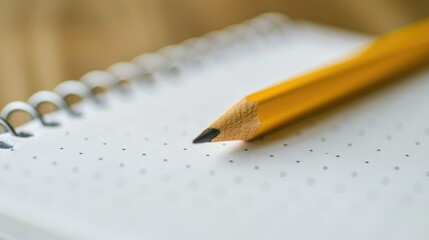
(129, 170)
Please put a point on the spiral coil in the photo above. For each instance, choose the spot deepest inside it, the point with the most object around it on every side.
(144, 68)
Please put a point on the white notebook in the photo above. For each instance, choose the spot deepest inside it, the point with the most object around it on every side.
(126, 169)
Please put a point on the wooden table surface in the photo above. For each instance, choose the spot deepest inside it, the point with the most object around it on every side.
(45, 42)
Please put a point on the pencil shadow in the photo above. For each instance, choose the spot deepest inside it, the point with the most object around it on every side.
(328, 112)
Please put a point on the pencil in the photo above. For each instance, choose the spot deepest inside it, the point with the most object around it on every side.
(378, 62)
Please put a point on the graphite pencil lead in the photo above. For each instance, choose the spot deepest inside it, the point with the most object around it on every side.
(207, 135)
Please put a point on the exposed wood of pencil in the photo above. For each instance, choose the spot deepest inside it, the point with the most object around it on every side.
(382, 60)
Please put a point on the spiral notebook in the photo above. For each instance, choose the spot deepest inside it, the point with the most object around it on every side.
(121, 164)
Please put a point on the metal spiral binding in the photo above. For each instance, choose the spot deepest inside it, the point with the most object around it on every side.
(144, 68)
(52, 98)
(27, 108)
(7, 127)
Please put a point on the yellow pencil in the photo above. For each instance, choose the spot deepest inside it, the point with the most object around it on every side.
(380, 61)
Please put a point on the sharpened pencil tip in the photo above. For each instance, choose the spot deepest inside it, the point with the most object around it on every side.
(207, 135)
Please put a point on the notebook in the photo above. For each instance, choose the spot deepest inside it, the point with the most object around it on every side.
(121, 164)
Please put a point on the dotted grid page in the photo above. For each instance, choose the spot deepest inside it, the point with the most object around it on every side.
(129, 170)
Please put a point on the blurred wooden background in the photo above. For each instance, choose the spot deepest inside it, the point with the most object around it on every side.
(44, 42)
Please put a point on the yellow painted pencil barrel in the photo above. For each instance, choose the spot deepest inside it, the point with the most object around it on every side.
(383, 59)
